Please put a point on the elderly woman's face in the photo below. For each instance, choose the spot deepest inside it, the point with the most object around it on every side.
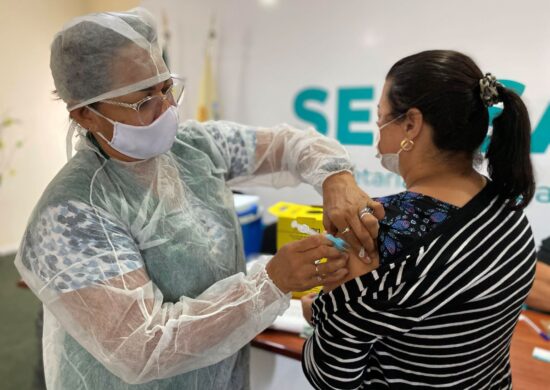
(132, 66)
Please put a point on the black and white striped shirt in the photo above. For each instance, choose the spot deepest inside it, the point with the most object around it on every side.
(441, 314)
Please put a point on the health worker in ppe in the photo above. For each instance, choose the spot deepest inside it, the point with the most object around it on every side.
(135, 249)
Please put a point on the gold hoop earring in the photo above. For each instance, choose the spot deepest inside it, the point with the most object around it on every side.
(407, 144)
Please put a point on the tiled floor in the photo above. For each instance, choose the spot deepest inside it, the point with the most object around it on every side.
(18, 339)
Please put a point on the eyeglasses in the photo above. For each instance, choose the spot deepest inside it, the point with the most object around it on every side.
(150, 107)
(395, 117)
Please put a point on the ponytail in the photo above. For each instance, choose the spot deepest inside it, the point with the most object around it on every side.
(509, 152)
(453, 95)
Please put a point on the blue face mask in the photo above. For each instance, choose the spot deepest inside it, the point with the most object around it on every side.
(144, 142)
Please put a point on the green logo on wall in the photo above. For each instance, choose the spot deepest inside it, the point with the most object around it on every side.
(353, 107)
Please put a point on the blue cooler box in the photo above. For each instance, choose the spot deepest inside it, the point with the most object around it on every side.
(249, 213)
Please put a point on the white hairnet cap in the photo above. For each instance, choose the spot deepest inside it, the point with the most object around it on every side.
(105, 55)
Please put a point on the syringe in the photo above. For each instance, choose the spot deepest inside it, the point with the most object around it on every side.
(339, 244)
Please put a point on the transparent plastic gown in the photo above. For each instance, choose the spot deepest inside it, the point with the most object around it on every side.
(140, 265)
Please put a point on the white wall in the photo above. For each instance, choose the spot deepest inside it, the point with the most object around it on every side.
(27, 29)
(270, 50)
(266, 55)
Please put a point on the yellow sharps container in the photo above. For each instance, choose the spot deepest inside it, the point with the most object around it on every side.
(286, 213)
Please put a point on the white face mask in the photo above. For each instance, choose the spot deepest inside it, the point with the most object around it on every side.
(144, 142)
(390, 161)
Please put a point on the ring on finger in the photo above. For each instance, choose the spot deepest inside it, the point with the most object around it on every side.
(317, 274)
(364, 211)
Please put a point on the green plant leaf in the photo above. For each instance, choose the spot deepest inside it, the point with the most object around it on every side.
(8, 122)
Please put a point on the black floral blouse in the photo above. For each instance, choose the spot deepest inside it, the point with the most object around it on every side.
(409, 216)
